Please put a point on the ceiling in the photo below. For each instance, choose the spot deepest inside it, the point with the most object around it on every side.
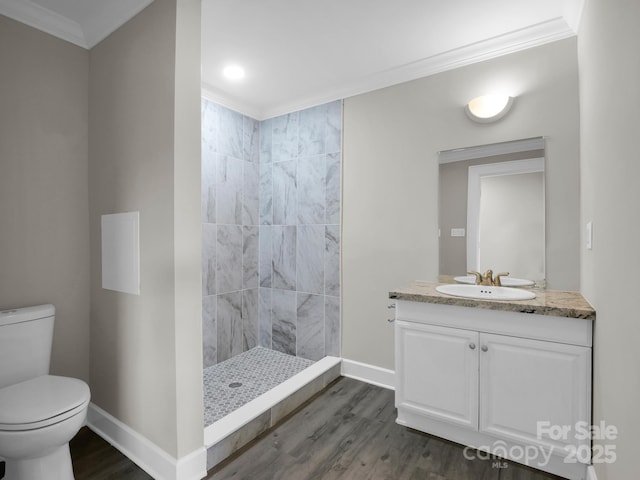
(299, 53)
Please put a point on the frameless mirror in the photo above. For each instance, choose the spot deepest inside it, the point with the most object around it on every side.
(491, 211)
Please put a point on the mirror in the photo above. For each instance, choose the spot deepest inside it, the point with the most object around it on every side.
(491, 211)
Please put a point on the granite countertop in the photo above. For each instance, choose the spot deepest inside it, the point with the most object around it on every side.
(547, 302)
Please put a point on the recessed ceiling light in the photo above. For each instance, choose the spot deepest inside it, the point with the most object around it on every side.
(233, 72)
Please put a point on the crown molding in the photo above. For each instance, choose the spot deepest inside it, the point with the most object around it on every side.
(573, 15)
(43, 19)
(211, 93)
(518, 40)
(103, 21)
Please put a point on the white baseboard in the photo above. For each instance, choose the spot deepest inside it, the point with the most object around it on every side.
(146, 454)
(381, 377)
(591, 473)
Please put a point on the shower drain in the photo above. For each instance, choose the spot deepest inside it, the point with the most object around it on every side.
(235, 384)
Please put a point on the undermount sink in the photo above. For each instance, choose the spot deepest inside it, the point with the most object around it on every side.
(485, 292)
(506, 281)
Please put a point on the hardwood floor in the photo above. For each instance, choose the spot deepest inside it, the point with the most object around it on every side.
(95, 459)
(347, 432)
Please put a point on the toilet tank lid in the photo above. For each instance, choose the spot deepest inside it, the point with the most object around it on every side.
(16, 315)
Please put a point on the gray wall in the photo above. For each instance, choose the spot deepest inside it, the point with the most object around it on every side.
(144, 150)
(390, 199)
(271, 232)
(44, 215)
(187, 228)
(609, 103)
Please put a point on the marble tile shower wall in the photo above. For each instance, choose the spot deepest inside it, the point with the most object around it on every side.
(299, 239)
(271, 232)
(230, 206)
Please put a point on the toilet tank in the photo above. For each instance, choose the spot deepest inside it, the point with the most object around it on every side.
(26, 335)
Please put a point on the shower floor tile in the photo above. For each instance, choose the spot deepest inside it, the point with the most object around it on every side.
(232, 383)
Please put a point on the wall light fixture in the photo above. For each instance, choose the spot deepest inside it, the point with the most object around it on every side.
(488, 108)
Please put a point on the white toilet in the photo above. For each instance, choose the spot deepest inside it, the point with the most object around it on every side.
(39, 413)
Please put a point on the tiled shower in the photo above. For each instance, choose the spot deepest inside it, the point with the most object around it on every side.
(271, 232)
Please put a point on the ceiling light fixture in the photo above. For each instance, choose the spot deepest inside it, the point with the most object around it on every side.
(488, 108)
(233, 72)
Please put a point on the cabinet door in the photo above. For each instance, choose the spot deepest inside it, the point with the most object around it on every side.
(437, 372)
(524, 382)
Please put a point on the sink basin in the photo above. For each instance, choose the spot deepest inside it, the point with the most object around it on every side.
(506, 281)
(483, 292)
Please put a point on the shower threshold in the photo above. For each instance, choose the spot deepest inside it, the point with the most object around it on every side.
(252, 392)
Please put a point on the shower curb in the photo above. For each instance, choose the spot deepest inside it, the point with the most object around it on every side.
(229, 434)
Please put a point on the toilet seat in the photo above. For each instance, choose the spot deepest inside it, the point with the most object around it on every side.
(41, 401)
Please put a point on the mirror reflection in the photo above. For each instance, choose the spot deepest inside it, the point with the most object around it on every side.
(492, 213)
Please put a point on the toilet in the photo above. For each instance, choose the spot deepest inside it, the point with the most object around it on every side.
(39, 413)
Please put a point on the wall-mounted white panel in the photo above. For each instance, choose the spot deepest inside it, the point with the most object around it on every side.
(121, 252)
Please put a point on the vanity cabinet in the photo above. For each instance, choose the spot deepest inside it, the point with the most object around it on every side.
(437, 372)
(524, 381)
(497, 381)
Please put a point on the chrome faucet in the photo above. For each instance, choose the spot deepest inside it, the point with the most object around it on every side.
(488, 278)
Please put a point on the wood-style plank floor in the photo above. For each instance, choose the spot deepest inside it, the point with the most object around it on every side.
(95, 459)
(346, 432)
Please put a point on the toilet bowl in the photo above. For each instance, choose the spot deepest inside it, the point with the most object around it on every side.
(39, 413)
(38, 417)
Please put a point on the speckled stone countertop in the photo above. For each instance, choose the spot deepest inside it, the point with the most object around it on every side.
(547, 302)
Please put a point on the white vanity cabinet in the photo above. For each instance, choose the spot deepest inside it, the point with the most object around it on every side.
(500, 381)
(437, 372)
(525, 381)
